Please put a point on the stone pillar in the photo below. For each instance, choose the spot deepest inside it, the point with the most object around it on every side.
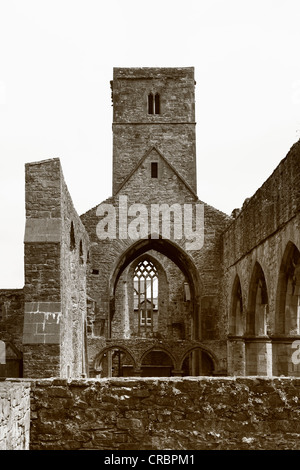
(236, 356)
(258, 356)
(286, 356)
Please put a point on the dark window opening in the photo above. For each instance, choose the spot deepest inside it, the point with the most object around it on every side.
(157, 104)
(236, 325)
(154, 169)
(95, 271)
(150, 103)
(72, 238)
(81, 257)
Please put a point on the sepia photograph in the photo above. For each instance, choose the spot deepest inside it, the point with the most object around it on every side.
(150, 228)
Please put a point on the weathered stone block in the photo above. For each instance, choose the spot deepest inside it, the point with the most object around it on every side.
(43, 230)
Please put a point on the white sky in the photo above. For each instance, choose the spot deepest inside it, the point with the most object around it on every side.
(56, 62)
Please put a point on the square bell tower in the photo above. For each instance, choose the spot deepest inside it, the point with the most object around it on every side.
(154, 107)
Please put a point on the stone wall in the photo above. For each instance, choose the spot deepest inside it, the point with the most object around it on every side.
(269, 210)
(11, 331)
(74, 266)
(11, 316)
(178, 414)
(56, 253)
(258, 240)
(14, 415)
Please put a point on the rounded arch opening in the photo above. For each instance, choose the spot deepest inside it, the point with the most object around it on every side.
(157, 362)
(115, 361)
(201, 358)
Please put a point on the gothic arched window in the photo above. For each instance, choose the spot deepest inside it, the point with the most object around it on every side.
(145, 293)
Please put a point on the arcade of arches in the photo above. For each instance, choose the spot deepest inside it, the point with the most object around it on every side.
(263, 339)
(153, 328)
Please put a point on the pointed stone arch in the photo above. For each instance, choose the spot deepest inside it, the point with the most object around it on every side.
(107, 352)
(209, 362)
(287, 315)
(174, 252)
(236, 317)
(258, 344)
(257, 303)
(162, 353)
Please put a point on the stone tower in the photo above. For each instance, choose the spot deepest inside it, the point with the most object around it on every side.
(154, 107)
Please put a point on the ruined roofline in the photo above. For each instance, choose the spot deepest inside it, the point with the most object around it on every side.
(265, 183)
(12, 290)
(137, 73)
(148, 69)
(40, 162)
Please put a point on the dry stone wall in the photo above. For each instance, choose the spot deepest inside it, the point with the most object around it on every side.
(14, 415)
(200, 413)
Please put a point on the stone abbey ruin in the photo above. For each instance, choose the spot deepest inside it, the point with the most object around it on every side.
(154, 282)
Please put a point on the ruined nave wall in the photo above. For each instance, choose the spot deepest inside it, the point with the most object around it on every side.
(259, 236)
(56, 258)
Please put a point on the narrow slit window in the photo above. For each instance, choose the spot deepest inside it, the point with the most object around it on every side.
(154, 169)
(72, 238)
(150, 103)
(81, 257)
(157, 104)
